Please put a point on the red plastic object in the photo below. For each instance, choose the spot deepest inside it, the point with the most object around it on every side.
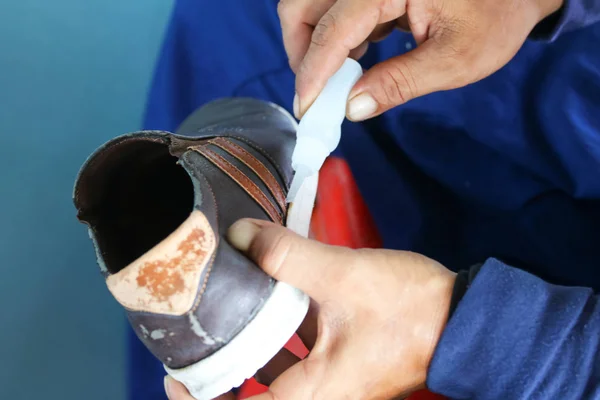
(340, 218)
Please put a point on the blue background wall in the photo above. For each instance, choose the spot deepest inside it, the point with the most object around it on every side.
(72, 74)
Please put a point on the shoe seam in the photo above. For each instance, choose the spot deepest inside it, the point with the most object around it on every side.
(212, 259)
(210, 267)
(218, 237)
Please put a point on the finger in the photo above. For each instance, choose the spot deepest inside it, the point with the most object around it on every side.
(278, 365)
(345, 26)
(176, 390)
(308, 265)
(426, 69)
(296, 39)
(298, 19)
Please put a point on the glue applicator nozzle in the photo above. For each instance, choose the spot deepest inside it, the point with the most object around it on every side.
(319, 131)
(302, 173)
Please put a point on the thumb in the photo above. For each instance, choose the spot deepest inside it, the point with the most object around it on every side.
(424, 70)
(308, 265)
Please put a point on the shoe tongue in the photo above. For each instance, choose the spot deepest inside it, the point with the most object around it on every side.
(165, 279)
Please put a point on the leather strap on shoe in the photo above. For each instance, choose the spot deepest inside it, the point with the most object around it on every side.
(255, 165)
(300, 211)
(241, 179)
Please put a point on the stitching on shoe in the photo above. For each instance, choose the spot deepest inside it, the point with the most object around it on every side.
(259, 168)
(273, 186)
(212, 259)
(205, 281)
(265, 154)
(209, 270)
(227, 132)
(249, 187)
(214, 256)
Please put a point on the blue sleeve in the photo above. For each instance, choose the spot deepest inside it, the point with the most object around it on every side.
(574, 14)
(514, 336)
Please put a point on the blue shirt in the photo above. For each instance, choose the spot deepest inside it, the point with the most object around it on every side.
(505, 171)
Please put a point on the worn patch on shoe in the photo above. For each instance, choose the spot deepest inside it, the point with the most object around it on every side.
(165, 280)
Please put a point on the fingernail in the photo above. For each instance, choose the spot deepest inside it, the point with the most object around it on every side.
(296, 106)
(242, 233)
(167, 382)
(361, 107)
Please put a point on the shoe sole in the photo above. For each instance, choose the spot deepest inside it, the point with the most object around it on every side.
(267, 333)
(249, 350)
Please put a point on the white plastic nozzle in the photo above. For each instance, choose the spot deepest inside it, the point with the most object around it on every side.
(302, 173)
(319, 130)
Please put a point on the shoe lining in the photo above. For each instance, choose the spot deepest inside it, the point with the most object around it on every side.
(138, 195)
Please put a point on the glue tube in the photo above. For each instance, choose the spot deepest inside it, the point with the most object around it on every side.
(319, 131)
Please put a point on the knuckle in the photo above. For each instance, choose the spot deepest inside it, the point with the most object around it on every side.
(324, 30)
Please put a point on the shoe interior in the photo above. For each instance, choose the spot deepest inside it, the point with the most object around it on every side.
(133, 196)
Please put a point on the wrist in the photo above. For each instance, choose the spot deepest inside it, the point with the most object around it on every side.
(461, 282)
(443, 297)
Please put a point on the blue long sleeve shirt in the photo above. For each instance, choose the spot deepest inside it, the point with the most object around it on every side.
(574, 14)
(505, 169)
(515, 336)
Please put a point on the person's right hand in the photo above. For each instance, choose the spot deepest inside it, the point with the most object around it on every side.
(375, 320)
(459, 42)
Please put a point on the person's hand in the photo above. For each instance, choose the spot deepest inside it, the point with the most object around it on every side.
(380, 315)
(459, 42)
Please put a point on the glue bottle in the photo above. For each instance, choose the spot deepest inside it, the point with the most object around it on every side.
(319, 131)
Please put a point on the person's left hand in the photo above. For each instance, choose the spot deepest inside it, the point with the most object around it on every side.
(459, 42)
(380, 315)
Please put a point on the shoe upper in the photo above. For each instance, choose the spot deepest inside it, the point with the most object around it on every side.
(158, 206)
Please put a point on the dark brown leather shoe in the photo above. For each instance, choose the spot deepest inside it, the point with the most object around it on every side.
(158, 206)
